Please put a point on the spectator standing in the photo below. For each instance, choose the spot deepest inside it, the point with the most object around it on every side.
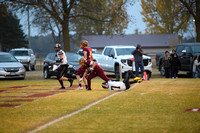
(195, 64)
(138, 53)
(167, 64)
(175, 64)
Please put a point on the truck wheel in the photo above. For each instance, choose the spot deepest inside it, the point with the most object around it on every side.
(117, 73)
(162, 70)
(45, 74)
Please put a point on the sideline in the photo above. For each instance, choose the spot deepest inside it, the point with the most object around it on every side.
(76, 112)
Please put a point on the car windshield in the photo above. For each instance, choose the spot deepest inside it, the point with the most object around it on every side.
(124, 51)
(19, 53)
(73, 57)
(196, 49)
(7, 58)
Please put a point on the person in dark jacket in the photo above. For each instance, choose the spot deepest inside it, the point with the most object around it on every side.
(138, 53)
(175, 64)
(167, 64)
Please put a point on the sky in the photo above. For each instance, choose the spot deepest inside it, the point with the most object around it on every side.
(133, 12)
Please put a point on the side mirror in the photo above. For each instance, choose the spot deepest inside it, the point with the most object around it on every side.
(111, 55)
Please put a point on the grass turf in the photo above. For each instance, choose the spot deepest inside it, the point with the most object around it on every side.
(155, 106)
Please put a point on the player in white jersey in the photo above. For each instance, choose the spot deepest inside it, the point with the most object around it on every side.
(61, 70)
(124, 85)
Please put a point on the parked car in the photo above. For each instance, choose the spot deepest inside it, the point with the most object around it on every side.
(25, 56)
(72, 59)
(10, 67)
(185, 52)
(116, 58)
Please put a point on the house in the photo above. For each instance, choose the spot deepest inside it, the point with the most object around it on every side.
(151, 44)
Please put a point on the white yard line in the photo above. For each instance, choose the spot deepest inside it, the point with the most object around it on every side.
(76, 112)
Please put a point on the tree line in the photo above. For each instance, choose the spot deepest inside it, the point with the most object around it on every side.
(103, 17)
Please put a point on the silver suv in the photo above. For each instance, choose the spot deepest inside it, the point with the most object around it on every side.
(25, 56)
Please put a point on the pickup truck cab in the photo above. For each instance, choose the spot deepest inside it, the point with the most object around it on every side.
(116, 58)
(186, 52)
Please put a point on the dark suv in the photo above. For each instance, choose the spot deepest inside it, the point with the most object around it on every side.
(186, 52)
(72, 59)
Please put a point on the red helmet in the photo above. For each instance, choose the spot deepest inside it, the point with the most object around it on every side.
(84, 43)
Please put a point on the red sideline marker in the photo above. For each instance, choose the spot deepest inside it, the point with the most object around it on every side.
(132, 59)
(194, 110)
(145, 76)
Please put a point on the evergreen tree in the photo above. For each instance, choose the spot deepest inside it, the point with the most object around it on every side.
(11, 34)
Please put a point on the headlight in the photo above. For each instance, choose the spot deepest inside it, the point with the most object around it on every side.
(21, 68)
(123, 61)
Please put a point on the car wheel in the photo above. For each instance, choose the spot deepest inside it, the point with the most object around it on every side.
(117, 73)
(45, 74)
(162, 70)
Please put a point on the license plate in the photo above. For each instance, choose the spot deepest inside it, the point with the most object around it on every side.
(12, 73)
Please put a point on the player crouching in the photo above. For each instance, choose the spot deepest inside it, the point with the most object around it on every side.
(95, 69)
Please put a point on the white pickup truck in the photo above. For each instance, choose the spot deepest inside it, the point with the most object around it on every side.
(112, 57)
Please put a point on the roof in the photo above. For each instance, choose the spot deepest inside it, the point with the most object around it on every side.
(121, 46)
(19, 49)
(189, 44)
(152, 40)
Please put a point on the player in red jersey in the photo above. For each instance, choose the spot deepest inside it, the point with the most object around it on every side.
(96, 70)
(87, 51)
(79, 75)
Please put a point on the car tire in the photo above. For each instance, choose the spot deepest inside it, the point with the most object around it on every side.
(117, 73)
(45, 74)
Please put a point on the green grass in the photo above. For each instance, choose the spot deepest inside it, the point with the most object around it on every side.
(155, 106)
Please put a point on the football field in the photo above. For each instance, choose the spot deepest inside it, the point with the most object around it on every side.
(157, 105)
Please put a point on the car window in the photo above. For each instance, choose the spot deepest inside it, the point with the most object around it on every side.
(124, 51)
(53, 56)
(7, 58)
(73, 57)
(179, 49)
(112, 52)
(107, 51)
(196, 48)
(19, 53)
(188, 49)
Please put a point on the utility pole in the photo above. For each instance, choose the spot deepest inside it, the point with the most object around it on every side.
(29, 34)
(195, 35)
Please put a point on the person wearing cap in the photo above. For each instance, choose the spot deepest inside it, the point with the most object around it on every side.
(95, 69)
(166, 61)
(138, 53)
(175, 64)
(63, 66)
